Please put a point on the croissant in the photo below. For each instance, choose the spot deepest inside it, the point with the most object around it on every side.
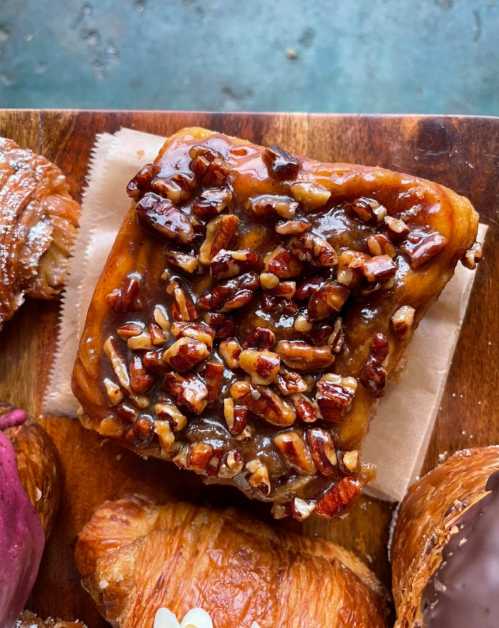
(252, 309)
(445, 551)
(135, 557)
(39, 220)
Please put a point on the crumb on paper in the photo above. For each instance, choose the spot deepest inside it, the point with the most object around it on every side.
(140, 153)
(291, 54)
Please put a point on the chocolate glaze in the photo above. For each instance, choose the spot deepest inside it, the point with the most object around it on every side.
(464, 591)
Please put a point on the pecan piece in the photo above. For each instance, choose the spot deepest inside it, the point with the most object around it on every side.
(268, 281)
(130, 329)
(301, 509)
(260, 338)
(304, 357)
(327, 300)
(183, 261)
(396, 226)
(165, 435)
(199, 331)
(186, 353)
(380, 244)
(231, 294)
(421, 246)
(313, 249)
(293, 227)
(373, 373)
(267, 205)
(240, 389)
(167, 411)
(161, 215)
(211, 202)
(223, 326)
(220, 232)
(379, 268)
(230, 350)
(284, 289)
(153, 361)
(141, 181)
(177, 188)
(236, 416)
(295, 452)
(323, 450)
(140, 380)
(302, 324)
(142, 342)
(182, 307)
(113, 391)
(310, 195)
(268, 406)
(366, 209)
(208, 165)
(227, 264)
(160, 316)
(261, 366)
(337, 498)
(307, 288)
(335, 396)
(199, 456)
(212, 374)
(472, 256)
(307, 410)
(141, 433)
(280, 164)
(350, 460)
(290, 383)
(259, 476)
(117, 362)
(231, 465)
(282, 263)
(126, 298)
(403, 320)
(189, 392)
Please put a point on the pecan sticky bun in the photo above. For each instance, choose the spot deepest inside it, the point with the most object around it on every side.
(253, 308)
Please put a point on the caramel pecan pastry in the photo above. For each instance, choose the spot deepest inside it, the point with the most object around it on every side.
(445, 552)
(38, 221)
(252, 309)
(136, 557)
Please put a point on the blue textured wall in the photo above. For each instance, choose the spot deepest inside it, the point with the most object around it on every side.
(437, 56)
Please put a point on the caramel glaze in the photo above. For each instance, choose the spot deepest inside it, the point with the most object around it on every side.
(369, 346)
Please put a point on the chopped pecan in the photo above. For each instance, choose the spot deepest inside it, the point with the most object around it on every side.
(284, 289)
(236, 416)
(293, 227)
(211, 202)
(212, 374)
(307, 410)
(421, 246)
(199, 456)
(379, 268)
(126, 412)
(110, 427)
(323, 450)
(231, 294)
(140, 380)
(153, 361)
(230, 350)
(260, 338)
(227, 264)
(117, 362)
(313, 249)
(182, 307)
(160, 316)
(280, 164)
(310, 195)
(160, 214)
(403, 320)
(350, 460)
(185, 353)
(319, 334)
(327, 300)
(220, 232)
(267, 205)
(302, 324)
(282, 263)
(142, 342)
(259, 476)
(335, 396)
(132, 328)
(199, 331)
(278, 306)
(396, 227)
(158, 336)
(141, 181)
(208, 165)
(295, 452)
(301, 509)
(126, 298)
(240, 389)
(304, 357)
(231, 465)
(373, 373)
(336, 339)
(350, 267)
(380, 244)
(113, 391)
(290, 383)
(262, 366)
(268, 281)
(222, 324)
(366, 209)
(305, 289)
(335, 500)
(472, 256)
(141, 433)
(268, 406)
(167, 411)
(189, 392)
(183, 261)
(177, 187)
(165, 435)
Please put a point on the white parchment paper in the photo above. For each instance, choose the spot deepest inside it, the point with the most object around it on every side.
(400, 432)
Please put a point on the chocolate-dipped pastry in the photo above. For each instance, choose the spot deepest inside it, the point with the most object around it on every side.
(445, 552)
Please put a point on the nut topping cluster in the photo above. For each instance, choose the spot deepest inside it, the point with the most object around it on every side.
(237, 360)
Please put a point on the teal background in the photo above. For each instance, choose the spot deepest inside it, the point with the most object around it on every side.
(427, 56)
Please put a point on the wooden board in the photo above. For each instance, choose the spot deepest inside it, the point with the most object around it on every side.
(462, 153)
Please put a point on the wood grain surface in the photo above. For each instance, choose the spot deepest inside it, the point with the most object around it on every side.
(461, 152)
